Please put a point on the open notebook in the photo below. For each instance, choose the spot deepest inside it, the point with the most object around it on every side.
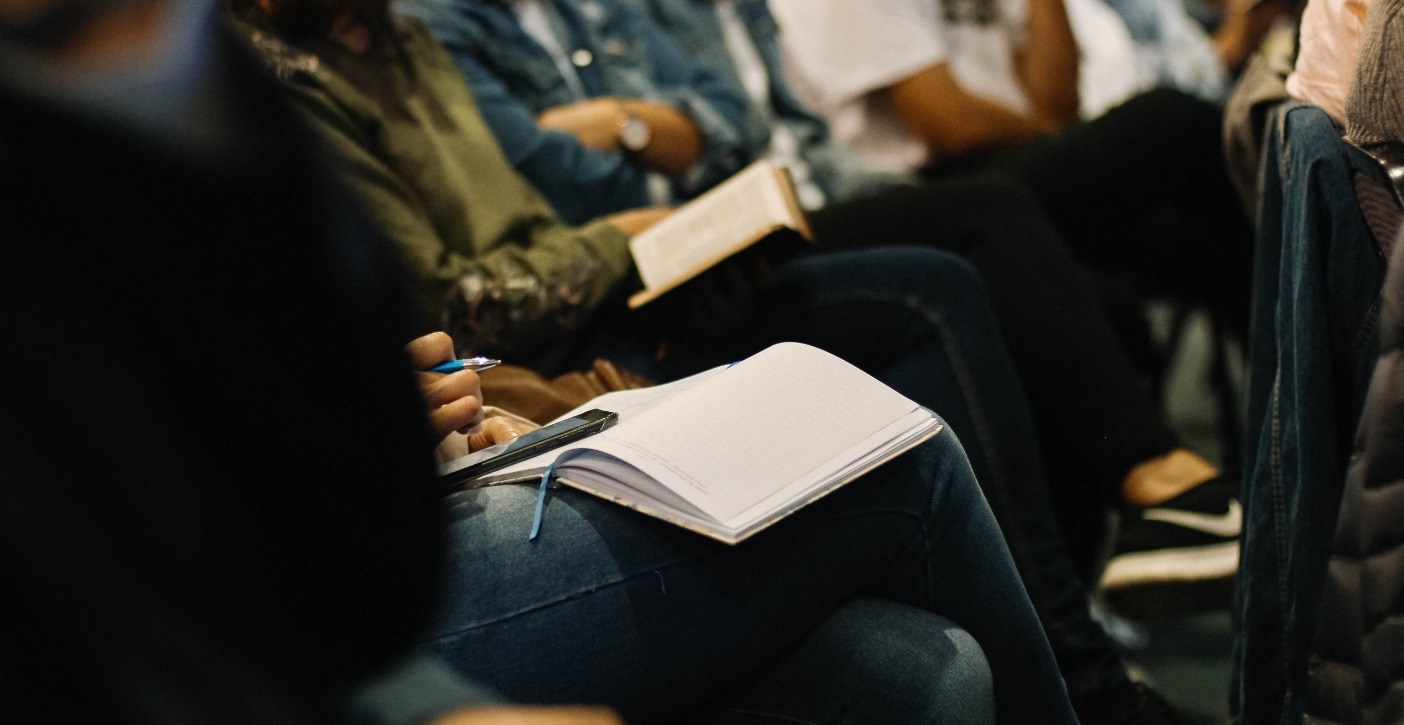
(730, 451)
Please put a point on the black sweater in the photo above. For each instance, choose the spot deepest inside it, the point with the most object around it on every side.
(1357, 669)
(215, 482)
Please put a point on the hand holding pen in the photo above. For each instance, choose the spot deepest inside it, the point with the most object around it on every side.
(453, 398)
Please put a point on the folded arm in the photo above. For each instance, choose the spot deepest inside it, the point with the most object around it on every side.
(674, 146)
(570, 152)
(950, 120)
(1047, 67)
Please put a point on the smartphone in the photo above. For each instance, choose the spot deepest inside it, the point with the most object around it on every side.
(534, 443)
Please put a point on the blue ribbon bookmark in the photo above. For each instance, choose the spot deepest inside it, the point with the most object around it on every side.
(541, 502)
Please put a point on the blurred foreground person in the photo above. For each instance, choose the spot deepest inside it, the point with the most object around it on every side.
(198, 509)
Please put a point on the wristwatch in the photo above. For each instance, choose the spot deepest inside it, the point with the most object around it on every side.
(634, 133)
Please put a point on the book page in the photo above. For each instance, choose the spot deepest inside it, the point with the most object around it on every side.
(714, 226)
(628, 404)
(756, 428)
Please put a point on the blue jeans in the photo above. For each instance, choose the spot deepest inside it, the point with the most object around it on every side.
(920, 320)
(841, 613)
(1316, 281)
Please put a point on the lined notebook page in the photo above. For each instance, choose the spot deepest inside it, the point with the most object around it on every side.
(712, 227)
(628, 404)
(756, 428)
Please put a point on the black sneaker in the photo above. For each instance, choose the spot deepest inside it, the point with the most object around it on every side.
(1130, 704)
(1179, 557)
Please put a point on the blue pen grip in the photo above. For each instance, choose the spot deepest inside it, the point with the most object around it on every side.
(450, 366)
(472, 363)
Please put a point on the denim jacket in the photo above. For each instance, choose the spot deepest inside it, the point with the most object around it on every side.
(696, 28)
(514, 79)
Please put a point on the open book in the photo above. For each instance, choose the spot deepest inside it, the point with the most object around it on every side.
(732, 450)
(753, 204)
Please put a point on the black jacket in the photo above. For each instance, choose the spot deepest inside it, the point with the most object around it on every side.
(215, 481)
(1357, 670)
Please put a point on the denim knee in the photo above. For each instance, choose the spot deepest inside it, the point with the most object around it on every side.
(884, 269)
(913, 666)
(873, 662)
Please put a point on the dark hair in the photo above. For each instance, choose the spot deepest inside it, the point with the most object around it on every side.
(301, 19)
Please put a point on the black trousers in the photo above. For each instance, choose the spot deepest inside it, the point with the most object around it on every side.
(1142, 191)
(1094, 416)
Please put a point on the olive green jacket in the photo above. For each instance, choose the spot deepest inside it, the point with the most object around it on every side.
(491, 262)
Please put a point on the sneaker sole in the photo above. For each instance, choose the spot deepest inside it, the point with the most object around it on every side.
(1173, 583)
(1218, 561)
(1172, 600)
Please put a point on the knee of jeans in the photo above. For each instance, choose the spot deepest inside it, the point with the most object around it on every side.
(935, 277)
(916, 666)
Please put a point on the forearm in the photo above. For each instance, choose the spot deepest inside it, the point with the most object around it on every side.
(1048, 66)
(580, 181)
(933, 107)
(676, 143)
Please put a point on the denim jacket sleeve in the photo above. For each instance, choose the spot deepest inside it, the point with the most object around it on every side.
(717, 105)
(513, 81)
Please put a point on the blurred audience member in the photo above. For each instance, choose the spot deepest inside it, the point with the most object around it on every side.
(197, 526)
(1177, 50)
(954, 86)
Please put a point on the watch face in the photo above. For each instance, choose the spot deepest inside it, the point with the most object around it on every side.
(634, 134)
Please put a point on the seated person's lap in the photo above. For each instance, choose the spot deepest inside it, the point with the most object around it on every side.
(602, 603)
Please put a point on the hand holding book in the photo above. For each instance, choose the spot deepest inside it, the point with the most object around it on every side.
(752, 205)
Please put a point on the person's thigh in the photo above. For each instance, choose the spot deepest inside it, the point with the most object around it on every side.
(917, 319)
(611, 606)
(873, 662)
(1061, 342)
(1142, 190)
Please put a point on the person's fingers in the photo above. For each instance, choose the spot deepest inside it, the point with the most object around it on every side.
(457, 415)
(496, 430)
(441, 389)
(430, 350)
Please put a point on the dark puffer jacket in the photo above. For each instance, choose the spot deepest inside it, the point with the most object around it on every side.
(1357, 670)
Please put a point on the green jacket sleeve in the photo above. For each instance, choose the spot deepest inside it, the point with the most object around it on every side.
(511, 296)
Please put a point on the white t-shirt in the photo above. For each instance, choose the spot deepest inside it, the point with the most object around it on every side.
(839, 51)
(1110, 68)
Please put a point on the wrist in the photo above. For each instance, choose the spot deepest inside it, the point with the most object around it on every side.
(632, 133)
